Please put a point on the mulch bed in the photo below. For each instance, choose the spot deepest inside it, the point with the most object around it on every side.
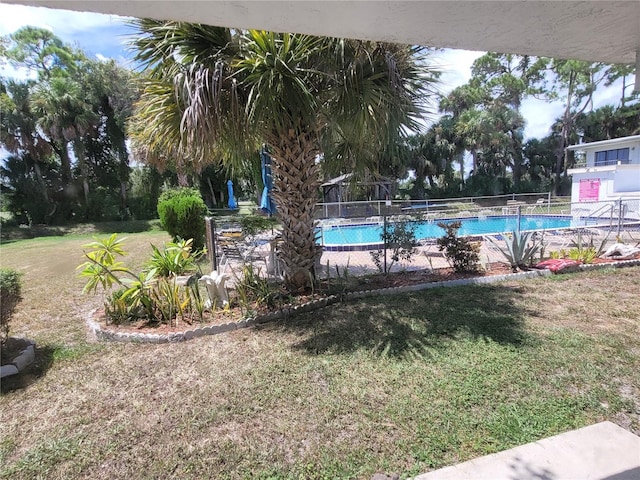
(370, 282)
(234, 313)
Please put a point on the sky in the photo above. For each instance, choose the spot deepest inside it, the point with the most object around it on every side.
(104, 36)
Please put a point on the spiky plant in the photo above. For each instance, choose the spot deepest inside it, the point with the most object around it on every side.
(519, 250)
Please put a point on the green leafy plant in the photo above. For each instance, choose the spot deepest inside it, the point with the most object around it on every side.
(101, 265)
(462, 254)
(138, 293)
(399, 239)
(198, 301)
(253, 224)
(181, 213)
(583, 254)
(520, 248)
(176, 258)
(10, 290)
(585, 250)
(147, 295)
(253, 289)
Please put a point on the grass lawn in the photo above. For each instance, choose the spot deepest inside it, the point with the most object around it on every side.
(389, 384)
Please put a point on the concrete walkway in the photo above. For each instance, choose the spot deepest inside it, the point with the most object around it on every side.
(603, 451)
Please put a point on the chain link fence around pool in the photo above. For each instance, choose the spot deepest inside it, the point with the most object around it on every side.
(357, 245)
(361, 244)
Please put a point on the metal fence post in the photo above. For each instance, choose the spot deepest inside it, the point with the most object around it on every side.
(211, 242)
(620, 214)
(384, 240)
(519, 218)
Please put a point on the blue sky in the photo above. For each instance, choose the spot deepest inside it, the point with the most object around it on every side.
(105, 36)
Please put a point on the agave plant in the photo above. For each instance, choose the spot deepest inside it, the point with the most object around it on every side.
(519, 250)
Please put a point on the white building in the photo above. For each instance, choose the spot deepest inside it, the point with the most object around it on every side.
(607, 173)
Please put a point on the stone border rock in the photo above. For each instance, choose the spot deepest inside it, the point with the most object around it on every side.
(19, 364)
(287, 312)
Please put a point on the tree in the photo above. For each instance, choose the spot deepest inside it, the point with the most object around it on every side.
(218, 93)
(38, 50)
(19, 133)
(609, 122)
(65, 117)
(575, 83)
(74, 114)
(113, 91)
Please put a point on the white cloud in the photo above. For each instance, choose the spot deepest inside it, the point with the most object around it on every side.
(64, 23)
(456, 67)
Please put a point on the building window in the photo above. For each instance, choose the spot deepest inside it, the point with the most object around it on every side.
(612, 157)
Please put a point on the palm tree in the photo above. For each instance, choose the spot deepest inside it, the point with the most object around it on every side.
(19, 129)
(65, 117)
(216, 94)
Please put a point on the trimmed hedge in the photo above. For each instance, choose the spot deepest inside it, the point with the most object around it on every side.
(181, 213)
(10, 288)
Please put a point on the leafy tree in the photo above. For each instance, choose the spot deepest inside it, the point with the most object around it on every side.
(539, 158)
(306, 97)
(19, 133)
(609, 122)
(509, 79)
(38, 50)
(74, 114)
(575, 83)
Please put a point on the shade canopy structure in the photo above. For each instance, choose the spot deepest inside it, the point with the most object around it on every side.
(600, 31)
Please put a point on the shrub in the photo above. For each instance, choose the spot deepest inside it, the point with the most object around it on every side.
(146, 295)
(174, 259)
(10, 286)
(252, 288)
(400, 239)
(181, 213)
(460, 252)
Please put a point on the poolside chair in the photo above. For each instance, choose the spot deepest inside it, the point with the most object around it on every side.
(539, 203)
(236, 252)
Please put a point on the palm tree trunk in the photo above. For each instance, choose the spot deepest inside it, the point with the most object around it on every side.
(82, 164)
(460, 159)
(123, 174)
(296, 182)
(65, 162)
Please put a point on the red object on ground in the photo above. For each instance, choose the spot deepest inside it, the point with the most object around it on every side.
(557, 265)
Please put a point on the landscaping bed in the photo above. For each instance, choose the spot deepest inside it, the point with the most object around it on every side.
(234, 317)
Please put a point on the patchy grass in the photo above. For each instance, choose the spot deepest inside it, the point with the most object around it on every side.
(389, 384)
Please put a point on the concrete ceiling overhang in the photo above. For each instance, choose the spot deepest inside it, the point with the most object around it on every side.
(604, 31)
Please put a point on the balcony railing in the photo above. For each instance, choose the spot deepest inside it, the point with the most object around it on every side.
(583, 163)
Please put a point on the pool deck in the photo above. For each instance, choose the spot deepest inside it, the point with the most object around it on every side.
(603, 451)
(426, 257)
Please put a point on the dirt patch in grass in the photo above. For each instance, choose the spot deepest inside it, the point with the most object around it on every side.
(400, 279)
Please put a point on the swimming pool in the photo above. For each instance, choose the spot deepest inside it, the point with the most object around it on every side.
(368, 236)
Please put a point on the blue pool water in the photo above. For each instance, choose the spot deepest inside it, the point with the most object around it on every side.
(370, 234)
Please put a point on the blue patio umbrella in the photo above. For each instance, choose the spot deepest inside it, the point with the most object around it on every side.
(232, 201)
(266, 202)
